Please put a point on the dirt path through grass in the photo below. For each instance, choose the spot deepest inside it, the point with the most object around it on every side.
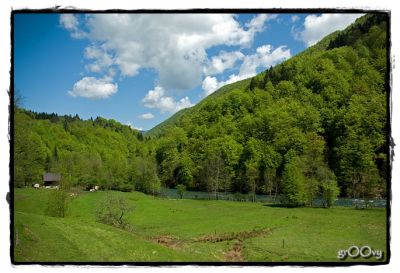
(233, 254)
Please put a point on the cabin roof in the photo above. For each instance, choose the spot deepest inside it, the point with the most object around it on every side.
(51, 177)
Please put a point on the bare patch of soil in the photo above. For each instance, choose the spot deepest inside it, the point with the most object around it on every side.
(167, 240)
(242, 235)
(29, 234)
(235, 253)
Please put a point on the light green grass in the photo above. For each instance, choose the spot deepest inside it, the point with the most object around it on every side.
(310, 234)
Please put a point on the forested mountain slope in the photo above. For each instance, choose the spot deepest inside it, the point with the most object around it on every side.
(296, 128)
(86, 152)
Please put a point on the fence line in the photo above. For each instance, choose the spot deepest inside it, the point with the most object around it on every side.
(317, 202)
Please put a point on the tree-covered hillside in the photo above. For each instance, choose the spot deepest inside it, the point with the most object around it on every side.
(298, 128)
(311, 126)
(85, 152)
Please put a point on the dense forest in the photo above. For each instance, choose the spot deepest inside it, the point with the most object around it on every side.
(86, 152)
(313, 126)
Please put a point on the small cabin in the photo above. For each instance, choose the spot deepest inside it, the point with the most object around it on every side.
(51, 180)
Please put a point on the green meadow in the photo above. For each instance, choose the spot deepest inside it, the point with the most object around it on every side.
(182, 230)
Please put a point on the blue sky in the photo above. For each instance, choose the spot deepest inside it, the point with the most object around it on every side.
(139, 69)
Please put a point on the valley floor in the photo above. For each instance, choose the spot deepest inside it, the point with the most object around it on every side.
(171, 230)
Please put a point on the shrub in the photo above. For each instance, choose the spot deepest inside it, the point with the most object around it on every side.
(181, 190)
(57, 204)
(113, 210)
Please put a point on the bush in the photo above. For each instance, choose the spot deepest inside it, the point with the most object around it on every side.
(113, 210)
(328, 186)
(330, 192)
(181, 190)
(57, 204)
(294, 183)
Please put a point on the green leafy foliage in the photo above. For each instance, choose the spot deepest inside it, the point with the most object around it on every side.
(181, 190)
(57, 205)
(86, 153)
(328, 187)
(145, 176)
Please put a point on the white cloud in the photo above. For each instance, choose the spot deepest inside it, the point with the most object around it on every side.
(102, 59)
(93, 88)
(71, 23)
(264, 57)
(316, 27)
(209, 85)
(146, 116)
(294, 18)
(173, 45)
(157, 98)
(258, 22)
(223, 61)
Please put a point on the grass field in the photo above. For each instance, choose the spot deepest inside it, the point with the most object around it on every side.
(166, 230)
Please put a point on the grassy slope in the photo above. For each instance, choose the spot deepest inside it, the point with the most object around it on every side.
(310, 234)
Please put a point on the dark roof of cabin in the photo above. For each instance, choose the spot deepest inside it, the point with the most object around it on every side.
(51, 177)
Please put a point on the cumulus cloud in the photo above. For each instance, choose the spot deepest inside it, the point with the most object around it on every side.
(257, 24)
(70, 22)
(265, 56)
(209, 85)
(173, 45)
(146, 116)
(225, 60)
(158, 99)
(93, 88)
(318, 26)
(102, 60)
